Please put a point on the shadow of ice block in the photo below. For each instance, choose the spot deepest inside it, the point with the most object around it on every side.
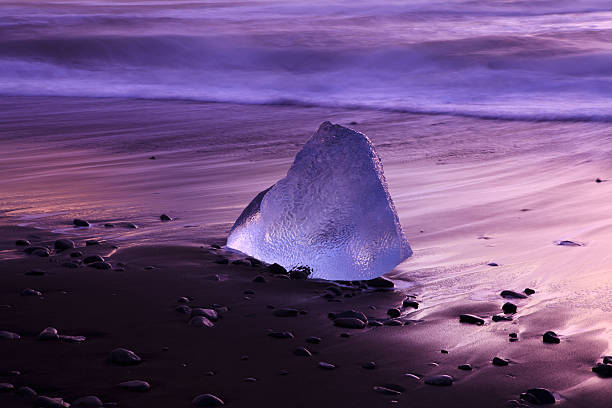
(332, 212)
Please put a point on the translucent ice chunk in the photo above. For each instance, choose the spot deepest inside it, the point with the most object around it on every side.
(332, 212)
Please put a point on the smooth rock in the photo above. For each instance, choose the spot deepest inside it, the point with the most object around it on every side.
(165, 217)
(207, 400)
(465, 367)
(70, 264)
(471, 319)
(89, 401)
(80, 223)
(510, 294)
(50, 333)
(6, 387)
(439, 380)
(501, 318)
(603, 370)
(259, 279)
(123, 356)
(551, 337)
(326, 366)
(200, 321)
(7, 335)
(529, 291)
(76, 254)
(63, 244)
(183, 309)
(104, 266)
(22, 242)
(500, 362)
(394, 312)
(302, 352)
(509, 308)
(389, 389)
(380, 283)
(48, 402)
(370, 365)
(280, 334)
(210, 314)
(26, 392)
(30, 292)
(313, 340)
(72, 339)
(349, 323)
(410, 303)
(92, 242)
(277, 269)
(351, 314)
(135, 385)
(538, 396)
(286, 312)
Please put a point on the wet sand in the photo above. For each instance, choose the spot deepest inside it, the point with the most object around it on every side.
(463, 182)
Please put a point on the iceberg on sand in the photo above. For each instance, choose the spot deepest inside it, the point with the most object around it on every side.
(332, 212)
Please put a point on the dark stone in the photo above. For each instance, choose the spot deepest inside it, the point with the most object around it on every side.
(501, 318)
(92, 242)
(72, 339)
(135, 386)
(76, 254)
(500, 362)
(334, 290)
(538, 396)
(551, 337)
(259, 279)
(569, 243)
(380, 283)
(30, 292)
(598, 180)
(471, 319)
(349, 323)
(240, 262)
(345, 335)
(410, 303)
(465, 367)
(603, 370)
(93, 259)
(280, 334)
(89, 401)
(101, 265)
(441, 380)
(183, 309)
(254, 262)
(510, 294)
(7, 335)
(313, 340)
(509, 308)
(370, 365)
(48, 402)
(394, 312)
(444, 351)
(165, 217)
(210, 314)
(131, 225)
(222, 261)
(302, 352)
(63, 244)
(299, 274)
(375, 323)
(393, 322)
(109, 225)
(249, 292)
(326, 366)
(215, 246)
(390, 389)
(607, 359)
(38, 251)
(285, 312)
(182, 299)
(493, 264)
(207, 400)
(35, 272)
(529, 291)
(121, 356)
(22, 242)
(26, 392)
(277, 269)
(80, 223)
(349, 313)
(6, 387)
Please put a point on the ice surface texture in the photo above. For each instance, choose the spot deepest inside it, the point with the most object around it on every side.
(332, 212)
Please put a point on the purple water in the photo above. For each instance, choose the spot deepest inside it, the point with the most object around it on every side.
(513, 59)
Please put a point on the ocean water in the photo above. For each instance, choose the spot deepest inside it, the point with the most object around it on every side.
(536, 59)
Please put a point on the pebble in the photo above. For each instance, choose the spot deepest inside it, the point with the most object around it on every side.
(471, 319)
(500, 362)
(210, 314)
(135, 385)
(389, 389)
(345, 335)
(465, 367)
(569, 243)
(222, 261)
(510, 294)
(165, 217)
(50, 333)
(299, 274)
(131, 225)
(529, 291)
(259, 279)
(182, 299)
(285, 312)
(538, 396)
(207, 400)
(280, 334)
(7, 335)
(101, 266)
(509, 308)
(550, 337)
(22, 242)
(183, 309)
(149, 268)
(313, 340)
(43, 252)
(92, 242)
(76, 254)
(89, 401)
(349, 314)
(394, 312)
(302, 352)
(410, 303)
(30, 292)
(441, 380)
(326, 366)
(380, 283)
(200, 321)
(349, 323)
(80, 223)
(370, 365)
(72, 339)
(603, 370)
(63, 244)
(283, 372)
(493, 264)
(501, 318)
(48, 402)
(607, 359)
(250, 379)
(6, 387)
(123, 356)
